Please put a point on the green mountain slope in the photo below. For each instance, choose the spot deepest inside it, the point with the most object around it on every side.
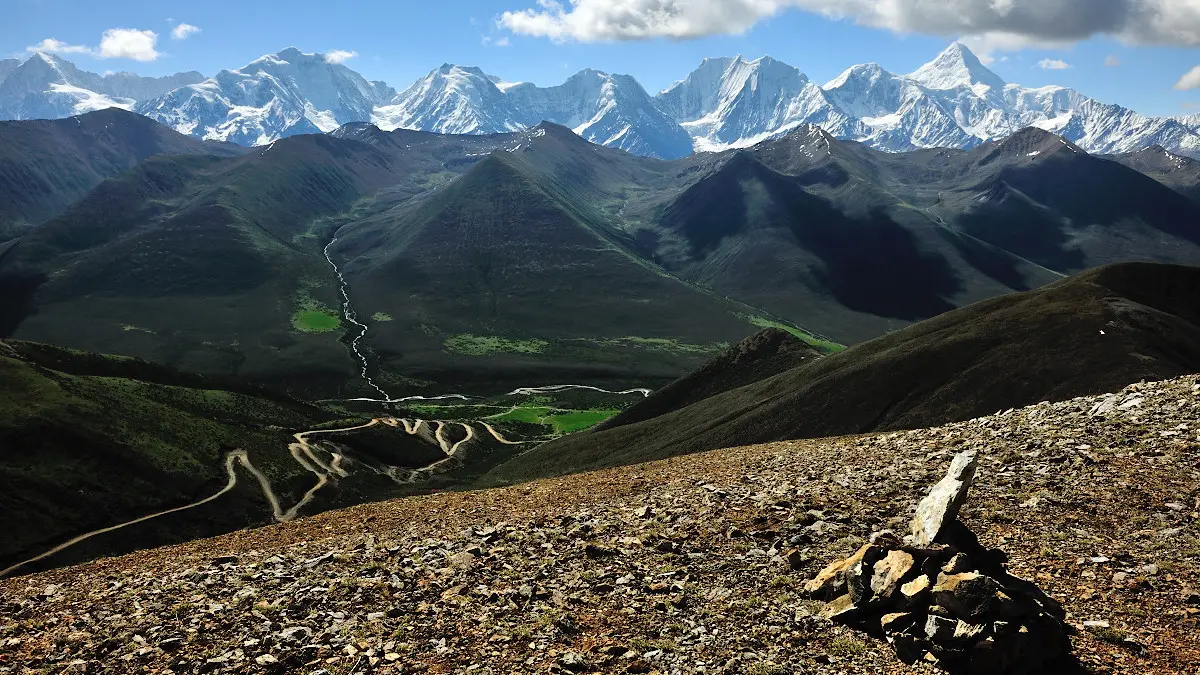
(554, 259)
(499, 279)
(45, 165)
(87, 441)
(1094, 332)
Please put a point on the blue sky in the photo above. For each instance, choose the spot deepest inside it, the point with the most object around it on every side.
(399, 41)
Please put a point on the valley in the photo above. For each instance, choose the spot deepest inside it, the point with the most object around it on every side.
(361, 315)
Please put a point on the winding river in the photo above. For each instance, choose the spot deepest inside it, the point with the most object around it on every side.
(350, 316)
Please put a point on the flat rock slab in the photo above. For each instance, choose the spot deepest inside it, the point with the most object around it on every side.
(940, 507)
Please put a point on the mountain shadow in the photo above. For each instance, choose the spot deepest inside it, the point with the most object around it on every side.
(1095, 332)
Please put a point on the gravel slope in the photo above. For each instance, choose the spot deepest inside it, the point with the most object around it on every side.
(674, 567)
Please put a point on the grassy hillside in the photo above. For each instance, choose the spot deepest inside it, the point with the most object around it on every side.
(87, 441)
(46, 165)
(1095, 332)
(553, 260)
(762, 355)
(499, 279)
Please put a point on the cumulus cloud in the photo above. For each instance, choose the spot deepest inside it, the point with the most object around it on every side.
(1002, 24)
(1190, 80)
(339, 56)
(183, 30)
(115, 43)
(1053, 64)
(1111, 61)
(128, 43)
(52, 46)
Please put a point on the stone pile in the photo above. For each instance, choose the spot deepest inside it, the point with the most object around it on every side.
(938, 596)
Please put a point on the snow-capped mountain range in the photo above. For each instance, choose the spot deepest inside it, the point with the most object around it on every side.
(273, 96)
(45, 86)
(952, 101)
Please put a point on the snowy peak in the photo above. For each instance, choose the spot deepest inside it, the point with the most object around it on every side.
(450, 100)
(46, 86)
(732, 102)
(716, 83)
(868, 73)
(612, 110)
(726, 102)
(957, 66)
(276, 95)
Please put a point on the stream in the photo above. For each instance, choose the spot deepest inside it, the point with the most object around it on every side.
(350, 316)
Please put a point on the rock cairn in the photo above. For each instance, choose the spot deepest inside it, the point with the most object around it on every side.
(938, 596)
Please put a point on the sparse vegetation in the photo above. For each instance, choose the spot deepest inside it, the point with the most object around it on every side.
(825, 345)
(311, 315)
(848, 646)
(482, 345)
(662, 345)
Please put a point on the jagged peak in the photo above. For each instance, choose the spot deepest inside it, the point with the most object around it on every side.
(589, 73)
(49, 58)
(871, 71)
(447, 68)
(957, 66)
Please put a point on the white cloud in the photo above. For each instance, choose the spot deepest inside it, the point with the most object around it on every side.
(128, 43)
(1004, 24)
(339, 56)
(1111, 61)
(52, 46)
(183, 30)
(488, 41)
(1053, 64)
(115, 43)
(1190, 80)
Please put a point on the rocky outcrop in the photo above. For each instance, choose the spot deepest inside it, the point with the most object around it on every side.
(943, 502)
(941, 598)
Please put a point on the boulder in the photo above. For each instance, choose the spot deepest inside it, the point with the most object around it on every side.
(831, 581)
(945, 499)
(889, 572)
(968, 595)
(840, 608)
(897, 622)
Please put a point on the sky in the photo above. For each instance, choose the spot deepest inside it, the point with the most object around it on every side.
(1144, 54)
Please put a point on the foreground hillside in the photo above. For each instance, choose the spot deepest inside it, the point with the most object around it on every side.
(101, 455)
(1094, 332)
(672, 566)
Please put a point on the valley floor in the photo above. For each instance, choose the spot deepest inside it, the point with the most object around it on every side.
(674, 567)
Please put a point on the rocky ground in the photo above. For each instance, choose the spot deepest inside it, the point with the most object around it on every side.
(678, 566)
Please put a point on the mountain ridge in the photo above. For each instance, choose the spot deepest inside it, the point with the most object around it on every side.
(727, 102)
(1134, 321)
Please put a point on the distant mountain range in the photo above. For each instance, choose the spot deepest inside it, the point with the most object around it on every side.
(45, 86)
(462, 254)
(952, 101)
